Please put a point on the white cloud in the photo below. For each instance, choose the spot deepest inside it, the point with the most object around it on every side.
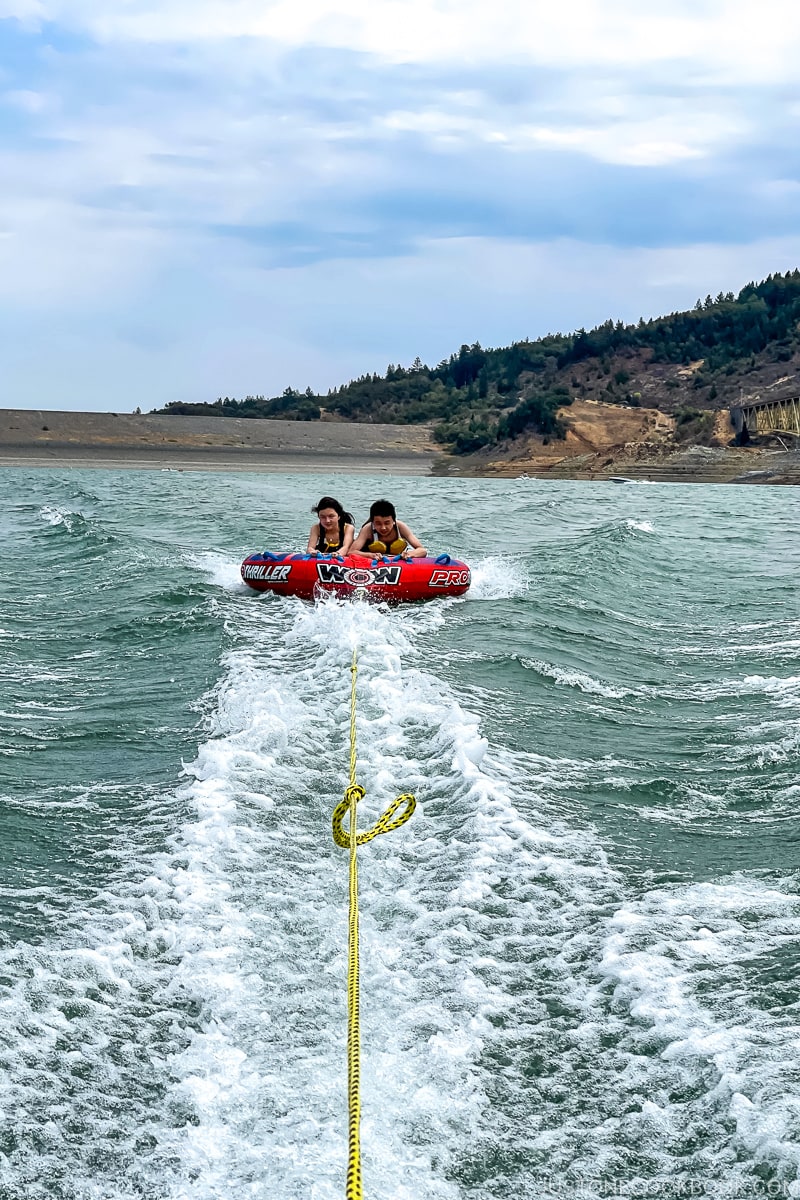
(724, 39)
(130, 155)
(120, 183)
(58, 256)
(24, 10)
(629, 128)
(649, 140)
(633, 143)
(26, 101)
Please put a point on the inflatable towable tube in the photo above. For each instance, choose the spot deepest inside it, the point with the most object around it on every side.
(393, 580)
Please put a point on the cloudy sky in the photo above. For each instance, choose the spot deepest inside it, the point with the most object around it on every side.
(215, 197)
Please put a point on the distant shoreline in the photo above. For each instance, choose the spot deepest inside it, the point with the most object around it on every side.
(212, 459)
(757, 469)
(132, 441)
(127, 441)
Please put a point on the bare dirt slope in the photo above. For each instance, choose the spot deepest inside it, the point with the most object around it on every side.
(597, 433)
(600, 427)
(605, 441)
(131, 439)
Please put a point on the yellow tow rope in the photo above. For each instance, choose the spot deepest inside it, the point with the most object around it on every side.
(352, 839)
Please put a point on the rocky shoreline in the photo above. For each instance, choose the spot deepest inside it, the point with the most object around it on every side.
(693, 464)
(610, 441)
(40, 438)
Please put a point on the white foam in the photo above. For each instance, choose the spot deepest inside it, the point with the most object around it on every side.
(222, 570)
(236, 936)
(768, 742)
(784, 691)
(773, 649)
(498, 578)
(55, 516)
(265, 723)
(640, 526)
(577, 679)
(657, 958)
(501, 960)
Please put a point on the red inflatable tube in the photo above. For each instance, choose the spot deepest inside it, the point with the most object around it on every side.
(392, 580)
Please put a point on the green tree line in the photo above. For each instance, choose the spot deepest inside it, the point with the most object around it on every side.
(480, 396)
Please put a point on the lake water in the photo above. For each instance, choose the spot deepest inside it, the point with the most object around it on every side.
(581, 957)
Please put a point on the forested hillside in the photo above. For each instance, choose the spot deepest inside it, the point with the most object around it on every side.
(685, 363)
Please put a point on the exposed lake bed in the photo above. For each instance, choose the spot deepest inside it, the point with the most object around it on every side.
(40, 438)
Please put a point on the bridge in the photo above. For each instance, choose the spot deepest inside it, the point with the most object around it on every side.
(778, 415)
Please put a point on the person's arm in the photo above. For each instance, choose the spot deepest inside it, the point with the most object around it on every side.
(313, 538)
(347, 541)
(414, 549)
(363, 537)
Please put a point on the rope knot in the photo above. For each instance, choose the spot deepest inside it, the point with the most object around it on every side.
(354, 793)
(384, 823)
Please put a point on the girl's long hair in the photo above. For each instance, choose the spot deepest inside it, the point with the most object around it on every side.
(345, 518)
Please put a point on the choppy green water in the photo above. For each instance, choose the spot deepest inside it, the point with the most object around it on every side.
(579, 959)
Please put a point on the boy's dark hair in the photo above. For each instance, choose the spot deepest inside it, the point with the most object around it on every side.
(382, 508)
